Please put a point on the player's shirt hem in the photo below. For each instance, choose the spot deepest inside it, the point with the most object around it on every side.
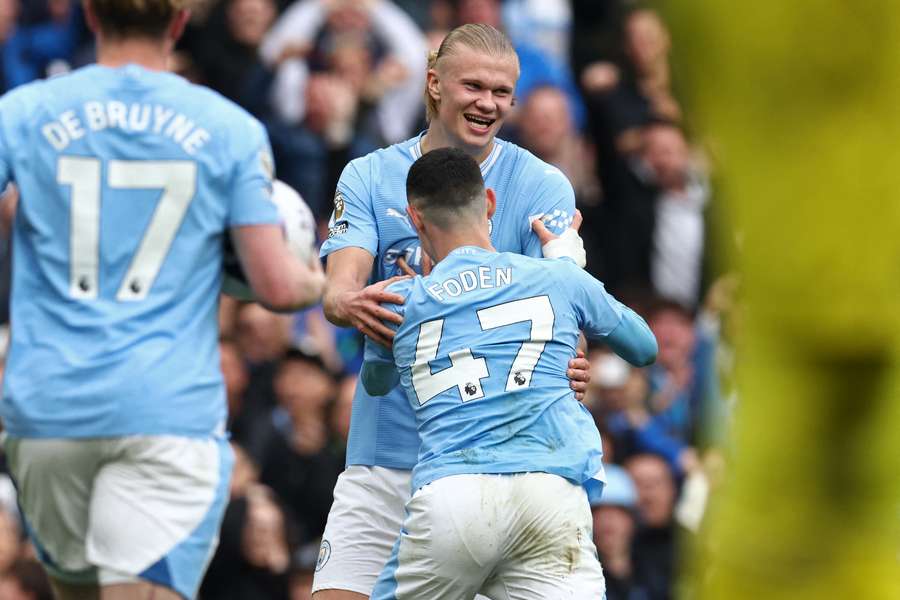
(420, 481)
(14, 430)
(387, 464)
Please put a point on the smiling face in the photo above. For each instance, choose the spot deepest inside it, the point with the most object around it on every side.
(474, 94)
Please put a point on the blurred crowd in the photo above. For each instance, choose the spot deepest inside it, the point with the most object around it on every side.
(335, 79)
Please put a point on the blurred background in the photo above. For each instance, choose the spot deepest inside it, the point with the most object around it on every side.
(607, 96)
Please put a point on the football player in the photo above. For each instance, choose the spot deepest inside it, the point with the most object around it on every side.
(113, 398)
(478, 353)
(469, 92)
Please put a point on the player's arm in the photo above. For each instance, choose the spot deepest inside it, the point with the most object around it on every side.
(631, 338)
(351, 248)
(349, 302)
(378, 374)
(279, 280)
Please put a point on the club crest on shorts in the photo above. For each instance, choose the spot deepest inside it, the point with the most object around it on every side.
(324, 554)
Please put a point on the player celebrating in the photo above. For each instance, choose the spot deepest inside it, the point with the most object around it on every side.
(477, 354)
(469, 92)
(129, 178)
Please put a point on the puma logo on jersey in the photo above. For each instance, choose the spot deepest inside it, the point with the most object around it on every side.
(398, 215)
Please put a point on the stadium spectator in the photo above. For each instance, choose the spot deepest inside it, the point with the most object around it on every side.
(682, 381)
(45, 41)
(394, 83)
(312, 153)
(546, 128)
(679, 230)
(254, 551)
(300, 465)
(654, 542)
(263, 338)
(620, 396)
(637, 91)
(226, 50)
(614, 530)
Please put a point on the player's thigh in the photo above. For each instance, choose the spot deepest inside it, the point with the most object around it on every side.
(138, 591)
(156, 511)
(448, 545)
(363, 524)
(338, 595)
(549, 552)
(55, 478)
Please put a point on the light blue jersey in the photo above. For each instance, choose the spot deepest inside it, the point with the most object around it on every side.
(129, 179)
(370, 213)
(482, 353)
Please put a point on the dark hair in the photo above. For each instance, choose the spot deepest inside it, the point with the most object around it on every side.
(446, 186)
(142, 18)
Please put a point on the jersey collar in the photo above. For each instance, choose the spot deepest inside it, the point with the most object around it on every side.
(415, 150)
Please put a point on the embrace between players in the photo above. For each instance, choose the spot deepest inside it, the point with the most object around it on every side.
(118, 449)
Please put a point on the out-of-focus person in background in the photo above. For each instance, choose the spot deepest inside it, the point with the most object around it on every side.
(301, 464)
(655, 539)
(678, 245)
(615, 523)
(546, 127)
(226, 51)
(394, 83)
(257, 539)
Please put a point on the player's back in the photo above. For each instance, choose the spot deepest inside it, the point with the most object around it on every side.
(128, 179)
(370, 213)
(482, 351)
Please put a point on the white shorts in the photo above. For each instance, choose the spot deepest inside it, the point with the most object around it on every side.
(114, 510)
(509, 537)
(362, 526)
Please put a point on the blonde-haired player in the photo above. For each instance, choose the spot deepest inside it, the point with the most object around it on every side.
(470, 90)
(113, 399)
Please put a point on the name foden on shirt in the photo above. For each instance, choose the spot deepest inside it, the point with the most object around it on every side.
(466, 281)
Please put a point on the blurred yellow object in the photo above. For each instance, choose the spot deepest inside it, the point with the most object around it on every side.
(800, 101)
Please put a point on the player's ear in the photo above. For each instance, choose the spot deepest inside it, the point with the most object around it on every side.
(490, 199)
(415, 217)
(432, 85)
(179, 22)
(89, 16)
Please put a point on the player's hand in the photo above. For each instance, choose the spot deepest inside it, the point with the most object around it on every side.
(427, 264)
(579, 374)
(568, 244)
(364, 311)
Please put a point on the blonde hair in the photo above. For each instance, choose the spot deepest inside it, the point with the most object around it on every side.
(147, 18)
(476, 36)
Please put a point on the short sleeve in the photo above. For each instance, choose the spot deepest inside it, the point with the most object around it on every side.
(250, 192)
(553, 202)
(352, 223)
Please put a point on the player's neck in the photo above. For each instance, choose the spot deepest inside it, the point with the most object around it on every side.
(150, 54)
(445, 242)
(437, 136)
